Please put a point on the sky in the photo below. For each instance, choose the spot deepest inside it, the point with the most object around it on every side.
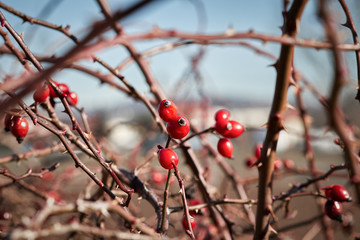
(227, 72)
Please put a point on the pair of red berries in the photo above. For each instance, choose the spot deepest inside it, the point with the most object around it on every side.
(192, 213)
(228, 129)
(17, 125)
(177, 126)
(335, 194)
(71, 97)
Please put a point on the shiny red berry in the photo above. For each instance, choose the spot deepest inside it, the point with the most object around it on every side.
(222, 127)
(19, 128)
(167, 158)
(192, 222)
(235, 130)
(277, 164)
(225, 147)
(73, 98)
(250, 161)
(62, 86)
(337, 193)
(41, 93)
(167, 110)
(257, 150)
(179, 128)
(333, 210)
(222, 116)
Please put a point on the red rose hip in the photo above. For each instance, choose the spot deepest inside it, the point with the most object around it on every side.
(333, 210)
(225, 147)
(167, 110)
(192, 222)
(167, 158)
(222, 116)
(178, 129)
(19, 128)
(41, 93)
(257, 150)
(337, 193)
(72, 98)
(235, 130)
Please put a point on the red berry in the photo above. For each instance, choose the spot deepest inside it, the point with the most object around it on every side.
(41, 93)
(167, 157)
(194, 202)
(52, 91)
(179, 128)
(62, 86)
(337, 193)
(257, 150)
(277, 164)
(64, 89)
(222, 115)
(250, 161)
(225, 147)
(333, 210)
(192, 222)
(235, 130)
(72, 98)
(289, 163)
(19, 128)
(222, 127)
(167, 110)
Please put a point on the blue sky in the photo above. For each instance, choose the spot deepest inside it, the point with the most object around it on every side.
(228, 72)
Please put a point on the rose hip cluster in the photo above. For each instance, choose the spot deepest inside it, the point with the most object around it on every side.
(45, 91)
(71, 97)
(18, 125)
(336, 194)
(227, 129)
(177, 127)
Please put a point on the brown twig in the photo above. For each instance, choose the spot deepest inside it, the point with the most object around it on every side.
(279, 105)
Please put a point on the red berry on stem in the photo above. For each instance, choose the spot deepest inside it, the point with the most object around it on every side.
(19, 128)
(52, 91)
(339, 193)
(167, 158)
(235, 131)
(41, 93)
(257, 150)
(222, 127)
(225, 147)
(222, 115)
(72, 98)
(333, 210)
(167, 110)
(178, 129)
(192, 222)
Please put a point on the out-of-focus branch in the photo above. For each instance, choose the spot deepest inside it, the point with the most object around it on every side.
(336, 115)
